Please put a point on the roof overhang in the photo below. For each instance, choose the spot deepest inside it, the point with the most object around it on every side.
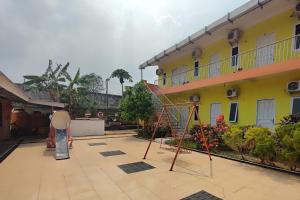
(9, 90)
(216, 30)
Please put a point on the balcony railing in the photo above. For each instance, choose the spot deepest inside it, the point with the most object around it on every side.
(273, 53)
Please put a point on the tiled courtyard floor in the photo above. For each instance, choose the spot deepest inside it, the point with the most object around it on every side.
(31, 172)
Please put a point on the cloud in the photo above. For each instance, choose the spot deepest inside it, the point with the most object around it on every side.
(97, 35)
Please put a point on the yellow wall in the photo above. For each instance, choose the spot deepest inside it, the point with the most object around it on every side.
(282, 25)
(273, 87)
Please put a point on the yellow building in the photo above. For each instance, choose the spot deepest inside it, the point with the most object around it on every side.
(245, 66)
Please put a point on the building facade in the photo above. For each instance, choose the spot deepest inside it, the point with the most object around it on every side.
(12, 99)
(245, 66)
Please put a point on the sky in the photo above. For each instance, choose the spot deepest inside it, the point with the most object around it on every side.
(98, 36)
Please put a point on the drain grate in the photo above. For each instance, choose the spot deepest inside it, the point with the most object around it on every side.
(97, 144)
(202, 195)
(112, 153)
(135, 167)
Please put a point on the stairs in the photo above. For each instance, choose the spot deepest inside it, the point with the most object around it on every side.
(171, 116)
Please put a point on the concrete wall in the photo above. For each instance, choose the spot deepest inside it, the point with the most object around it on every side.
(83, 127)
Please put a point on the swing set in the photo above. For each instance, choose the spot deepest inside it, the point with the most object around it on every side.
(179, 143)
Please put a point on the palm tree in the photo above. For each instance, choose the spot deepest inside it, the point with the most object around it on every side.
(51, 81)
(122, 75)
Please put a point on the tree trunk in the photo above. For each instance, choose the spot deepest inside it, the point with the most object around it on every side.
(122, 89)
(241, 153)
(70, 103)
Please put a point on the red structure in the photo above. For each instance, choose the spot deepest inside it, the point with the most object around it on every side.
(204, 139)
(162, 101)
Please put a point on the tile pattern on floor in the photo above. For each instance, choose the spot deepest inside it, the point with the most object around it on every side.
(135, 167)
(112, 153)
(97, 144)
(89, 175)
(202, 195)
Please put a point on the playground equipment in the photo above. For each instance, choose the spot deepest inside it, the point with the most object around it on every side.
(203, 140)
(59, 134)
(179, 129)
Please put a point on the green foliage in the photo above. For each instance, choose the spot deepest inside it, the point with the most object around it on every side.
(290, 119)
(213, 134)
(92, 82)
(78, 93)
(61, 86)
(262, 143)
(187, 143)
(161, 132)
(122, 75)
(127, 106)
(288, 137)
(296, 137)
(254, 132)
(234, 138)
(136, 103)
(51, 81)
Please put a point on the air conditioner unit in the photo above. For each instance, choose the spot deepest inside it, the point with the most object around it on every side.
(296, 12)
(232, 92)
(159, 71)
(293, 86)
(234, 36)
(196, 53)
(194, 98)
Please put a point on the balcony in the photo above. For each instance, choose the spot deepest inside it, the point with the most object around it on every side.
(273, 58)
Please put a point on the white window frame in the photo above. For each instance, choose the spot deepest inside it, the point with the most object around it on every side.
(292, 103)
(164, 79)
(195, 68)
(198, 113)
(211, 108)
(214, 64)
(237, 64)
(175, 78)
(274, 116)
(236, 112)
(294, 38)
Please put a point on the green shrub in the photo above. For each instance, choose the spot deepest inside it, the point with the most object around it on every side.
(290, 119)
(261, 143)
(252, 133)
(234, 138)
(187, 143)
(213, 134)
(288, 138)
(296, 137)
(162, 131)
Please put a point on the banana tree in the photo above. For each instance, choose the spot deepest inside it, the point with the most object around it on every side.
(50, 81)
(122, 75)
(71, 91)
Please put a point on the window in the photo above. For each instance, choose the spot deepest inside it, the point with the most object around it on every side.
(1, 114)
(297, 37)
(164, 78)
(233, 113)
(195, 115)
(196, 68)
(234, 56)
(296, 106)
